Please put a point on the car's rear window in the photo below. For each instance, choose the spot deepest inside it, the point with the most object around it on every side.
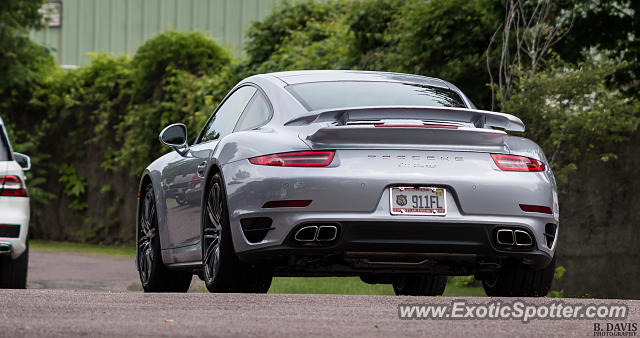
(4, 146)
(344, 94)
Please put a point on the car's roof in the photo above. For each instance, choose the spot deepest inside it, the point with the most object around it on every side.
(304, 76)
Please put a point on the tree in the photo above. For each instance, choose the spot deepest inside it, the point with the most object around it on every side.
(21, 60)
(611, 26)
(529, 31)
(445, 39)
(570, 111)
(17, 17)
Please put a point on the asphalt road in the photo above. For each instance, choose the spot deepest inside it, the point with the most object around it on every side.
(83, 295)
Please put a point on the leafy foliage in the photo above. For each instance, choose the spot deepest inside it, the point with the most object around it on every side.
(24, 67)
(606, 26)
(446, 39)
(464, 281)
(369, 22)
(102, 117)
(321, 45)
(569, 111)
(157, 58)
(16, 18)
(22, 62)
(267, 36)
(558, 274)
(74, 186)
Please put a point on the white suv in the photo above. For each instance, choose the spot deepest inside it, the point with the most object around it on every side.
(14, 215)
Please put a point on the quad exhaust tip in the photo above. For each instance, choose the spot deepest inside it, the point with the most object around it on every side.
(522, 238)
(306, 234)
(327, 233)
(513, 238)
(5, 249)
(315, 233)
(505, 237)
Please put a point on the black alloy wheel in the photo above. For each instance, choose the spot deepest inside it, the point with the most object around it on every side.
(146, 234)
(212, 233)
(154, 275)
(222, 271)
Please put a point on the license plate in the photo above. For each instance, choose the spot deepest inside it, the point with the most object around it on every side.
(425, 201)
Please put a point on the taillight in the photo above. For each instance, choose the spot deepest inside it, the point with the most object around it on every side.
(287, 204)
(296, 159)
(425, 126)
(536, 208)
(12, 186)
(517, 163)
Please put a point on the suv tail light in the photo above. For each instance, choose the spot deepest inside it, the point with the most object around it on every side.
(517, 163)
(12, 186)
(296, 159)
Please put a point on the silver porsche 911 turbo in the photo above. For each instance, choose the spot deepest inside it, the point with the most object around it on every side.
(394, 178)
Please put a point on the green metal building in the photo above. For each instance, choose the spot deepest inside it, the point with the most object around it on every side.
(78, 27)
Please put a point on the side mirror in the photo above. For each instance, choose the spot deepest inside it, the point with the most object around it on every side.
(175, 136)
(23, 160)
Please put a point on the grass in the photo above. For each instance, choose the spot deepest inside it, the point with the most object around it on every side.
(318, 285)
(328, 285)
(81, 248)
(464, 291)
(353, 286)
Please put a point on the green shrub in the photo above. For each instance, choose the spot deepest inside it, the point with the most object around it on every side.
(171, 51)
(446, 39)
(23, 63)
(370, 21)
(75, 186)
(557, 276)
(321, 45)
(168, 76)
(464, 281)
(265, 37)
(104, 118)
(570, 110)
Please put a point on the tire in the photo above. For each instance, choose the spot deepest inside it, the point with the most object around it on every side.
(517, 280)
(154, 275)
(13, 272)
(420, 285)
(259, 279)
(181, 199)
(222, 271)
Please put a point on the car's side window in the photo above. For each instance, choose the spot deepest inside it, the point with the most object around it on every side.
(257, 113)
(4, 146)
(227, 115)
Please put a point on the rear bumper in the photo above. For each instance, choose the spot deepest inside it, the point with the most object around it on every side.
(14, 211)
(378, 247)
(354, 192)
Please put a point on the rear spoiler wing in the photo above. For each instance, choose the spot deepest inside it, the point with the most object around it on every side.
(479, 118)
